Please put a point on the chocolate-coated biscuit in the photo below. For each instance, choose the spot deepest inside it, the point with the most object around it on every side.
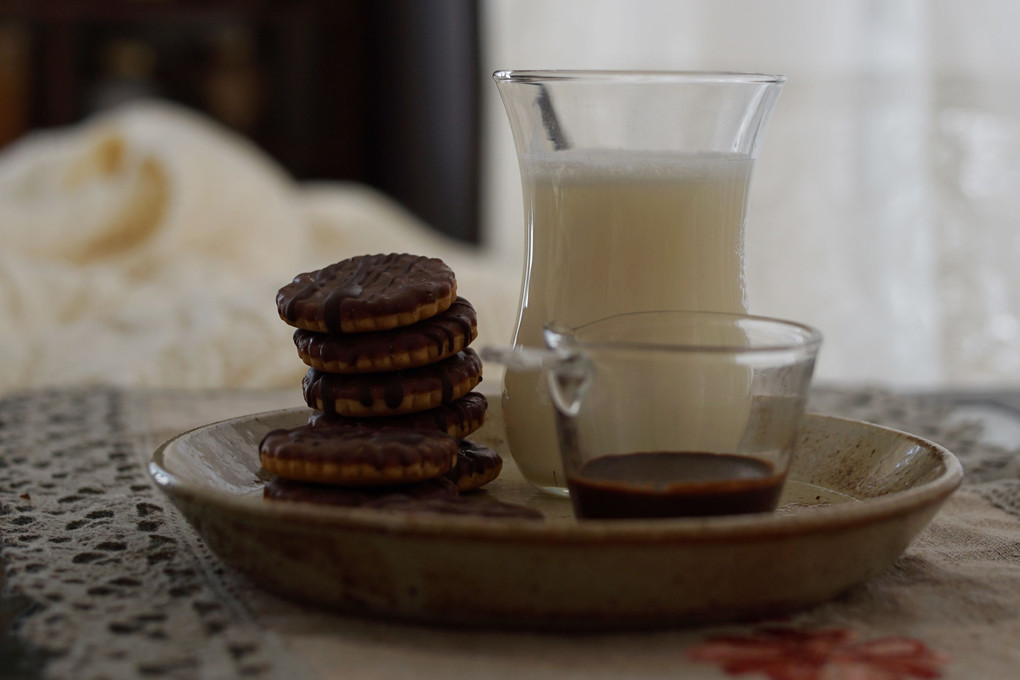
(394, 392)
(368, 293)
(356, 457)
(422, 343)
(458, 418)
(282, 489)
(476, 466)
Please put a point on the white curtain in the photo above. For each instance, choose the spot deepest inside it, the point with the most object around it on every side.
(886, 202)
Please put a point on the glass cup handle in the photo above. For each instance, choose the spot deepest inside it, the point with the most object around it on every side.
(569, 372)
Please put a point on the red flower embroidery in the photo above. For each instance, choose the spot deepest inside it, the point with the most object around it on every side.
(832, 654)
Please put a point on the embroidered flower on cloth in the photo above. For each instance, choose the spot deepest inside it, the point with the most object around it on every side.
(828, 654)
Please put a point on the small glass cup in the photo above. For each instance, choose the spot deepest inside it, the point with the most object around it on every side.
(674, 414)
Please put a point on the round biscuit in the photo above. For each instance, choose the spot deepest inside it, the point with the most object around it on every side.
(476, 466)
(280, 489)
(457, 418)
(356, 457)
(368, 293)
(425, 342)
(395, 392)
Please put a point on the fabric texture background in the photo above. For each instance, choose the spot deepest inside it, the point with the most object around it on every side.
(146, 245)
(111, 582)
(884, 206)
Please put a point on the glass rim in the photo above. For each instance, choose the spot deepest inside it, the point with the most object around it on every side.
(636, 76)
(809, 338)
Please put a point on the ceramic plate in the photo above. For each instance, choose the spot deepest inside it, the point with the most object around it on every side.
(855, 498)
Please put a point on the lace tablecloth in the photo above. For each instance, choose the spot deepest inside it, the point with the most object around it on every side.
(104, 579)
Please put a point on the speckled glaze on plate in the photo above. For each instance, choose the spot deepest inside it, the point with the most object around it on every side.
(856, 496)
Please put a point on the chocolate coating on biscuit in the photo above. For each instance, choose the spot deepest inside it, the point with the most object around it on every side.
(391, 387)
(279, 488)
(378, 449)
(443, 334)
(363, 287)
(476, 465)
(457, 418)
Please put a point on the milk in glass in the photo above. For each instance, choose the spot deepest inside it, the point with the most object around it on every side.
(616, 232)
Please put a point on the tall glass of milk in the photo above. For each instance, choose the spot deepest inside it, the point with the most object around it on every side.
(635, 192)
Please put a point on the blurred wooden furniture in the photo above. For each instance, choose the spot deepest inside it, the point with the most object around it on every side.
(385, 93)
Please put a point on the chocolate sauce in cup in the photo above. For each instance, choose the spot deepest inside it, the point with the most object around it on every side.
(674, 484)
(674, 413)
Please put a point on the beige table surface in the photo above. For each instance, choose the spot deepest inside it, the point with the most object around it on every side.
(105, 580)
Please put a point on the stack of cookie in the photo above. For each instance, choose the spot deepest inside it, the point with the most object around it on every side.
(390, 380)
